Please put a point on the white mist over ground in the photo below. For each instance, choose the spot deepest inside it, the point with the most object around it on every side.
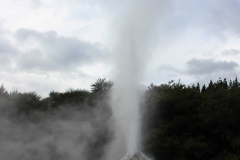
(65, 134)
(133, 34)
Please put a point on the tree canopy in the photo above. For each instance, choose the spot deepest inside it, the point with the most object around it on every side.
(188, 123)
(179, 122)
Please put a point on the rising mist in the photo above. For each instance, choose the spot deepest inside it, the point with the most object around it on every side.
(71, 125)
(135, 28)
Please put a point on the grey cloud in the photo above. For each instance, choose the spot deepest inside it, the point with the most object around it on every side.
(167, 68)
(56, 53)
(209, 66)
(176, 18)
(231, 52)
(223, 16)
(6, 47)
(7, 51)
(166, 72)
(215, 17)
(192, 19)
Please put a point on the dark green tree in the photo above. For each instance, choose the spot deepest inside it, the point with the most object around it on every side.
(203, 88)
(210, 85)
(235, 83)
(198, 87)
(3, 92)
(101, 85)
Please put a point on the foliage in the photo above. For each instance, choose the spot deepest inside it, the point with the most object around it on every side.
(93, 106)
(101, 85)
(179, 122)
(188, 123)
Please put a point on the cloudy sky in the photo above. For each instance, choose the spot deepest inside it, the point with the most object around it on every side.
(50, 45)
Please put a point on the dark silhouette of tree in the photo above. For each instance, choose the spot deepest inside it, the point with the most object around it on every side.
(70, 98)
(101, 85)
(210, 85)
(198, 87)
(203, 88)
(3, 92)
(183, 123)
(225, 84)
(27, 102)
(235, 83)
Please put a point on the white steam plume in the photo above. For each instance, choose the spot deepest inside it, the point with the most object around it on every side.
(135, 30)
(67, 133)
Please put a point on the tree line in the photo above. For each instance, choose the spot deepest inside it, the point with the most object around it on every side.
(192, 122)
(29, 102)
(76, 107)
(179, 122)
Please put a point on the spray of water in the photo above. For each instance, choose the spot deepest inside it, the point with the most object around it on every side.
(134, 31)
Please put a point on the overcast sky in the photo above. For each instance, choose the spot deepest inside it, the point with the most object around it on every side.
(50, 45)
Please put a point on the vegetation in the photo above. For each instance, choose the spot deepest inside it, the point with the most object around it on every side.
(186, 123)
(179, 122)
(74, 105)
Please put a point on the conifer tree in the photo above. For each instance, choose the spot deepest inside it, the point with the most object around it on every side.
(210, 85)
(225, 85)
(198, 87)
(203, 88)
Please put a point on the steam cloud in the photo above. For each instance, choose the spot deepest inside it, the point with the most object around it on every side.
(63, 134)
(135, 29)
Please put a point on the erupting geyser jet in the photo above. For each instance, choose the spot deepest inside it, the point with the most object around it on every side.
(136, 156)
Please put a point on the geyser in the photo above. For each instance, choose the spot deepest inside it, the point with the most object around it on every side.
(136, 156)
(134, 29)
